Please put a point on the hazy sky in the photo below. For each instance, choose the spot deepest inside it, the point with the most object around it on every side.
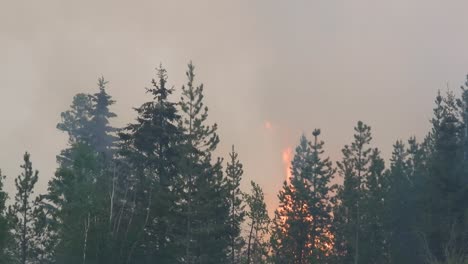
(298, 65)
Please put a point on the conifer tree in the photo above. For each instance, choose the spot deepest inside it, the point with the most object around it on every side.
(75, 122)
(81, 191)
(150, 146)
(403, 214)
(302, 224)
(5, 235)
(374, 215)
(101, 133)
(462, 104)
(354, 168)
(199, 175)
(446, 181)
(258, 223)
(234, 173)
(74, 213)
(87, 121)
(291, 223)
(22, 211)
(320, 206)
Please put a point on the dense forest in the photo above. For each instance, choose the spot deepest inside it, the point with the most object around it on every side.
(154, 192)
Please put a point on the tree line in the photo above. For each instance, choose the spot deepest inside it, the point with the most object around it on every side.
(155, 192)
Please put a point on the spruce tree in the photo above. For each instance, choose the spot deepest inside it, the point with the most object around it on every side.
(150, 146)
(101, 133)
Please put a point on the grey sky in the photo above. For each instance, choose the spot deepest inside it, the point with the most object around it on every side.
(297, 64)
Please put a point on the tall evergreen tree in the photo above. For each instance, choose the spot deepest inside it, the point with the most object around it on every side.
(151, 147)
(401, 206)
(22, 211)
(75, 122)
(87, 121)
(446, 181)
(5, 235)
(302, 224)
(234, 173)
(200, 177)
(354, 168)
(73, 206)
(257, 246)
(101, 133)
(81, 191)
(374, 214)
(319, 205)
(290, 240)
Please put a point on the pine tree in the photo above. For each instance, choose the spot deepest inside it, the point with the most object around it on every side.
(374, 215)
(290, 240)
(150, 146)
(5, 235)
(354, 168)
(257, 246)
(22, 211)
(401, 206)
(302, 224)
(320, 206)
(446, 181)
(234, 173)
(200, 177)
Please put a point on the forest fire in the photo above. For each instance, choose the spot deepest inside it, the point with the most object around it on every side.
(287, 157)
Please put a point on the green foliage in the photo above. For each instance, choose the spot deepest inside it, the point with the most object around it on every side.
(151, 148)
(359, 215)
(87, 122)
(234, 173)
(5, 235)
(257, 244)
(72, 198)
(21, 212)
(101, 133)
(158, 194)
(203, 197)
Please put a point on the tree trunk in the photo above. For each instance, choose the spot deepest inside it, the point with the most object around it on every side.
(85, 244)
(250, 242)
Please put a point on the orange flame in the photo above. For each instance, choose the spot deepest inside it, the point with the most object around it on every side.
(287, 157)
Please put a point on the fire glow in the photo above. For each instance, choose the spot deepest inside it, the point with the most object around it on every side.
(287, 157)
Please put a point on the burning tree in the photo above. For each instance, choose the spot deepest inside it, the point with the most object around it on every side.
(301, 228)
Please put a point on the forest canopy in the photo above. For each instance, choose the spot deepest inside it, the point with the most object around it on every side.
(154, 191)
